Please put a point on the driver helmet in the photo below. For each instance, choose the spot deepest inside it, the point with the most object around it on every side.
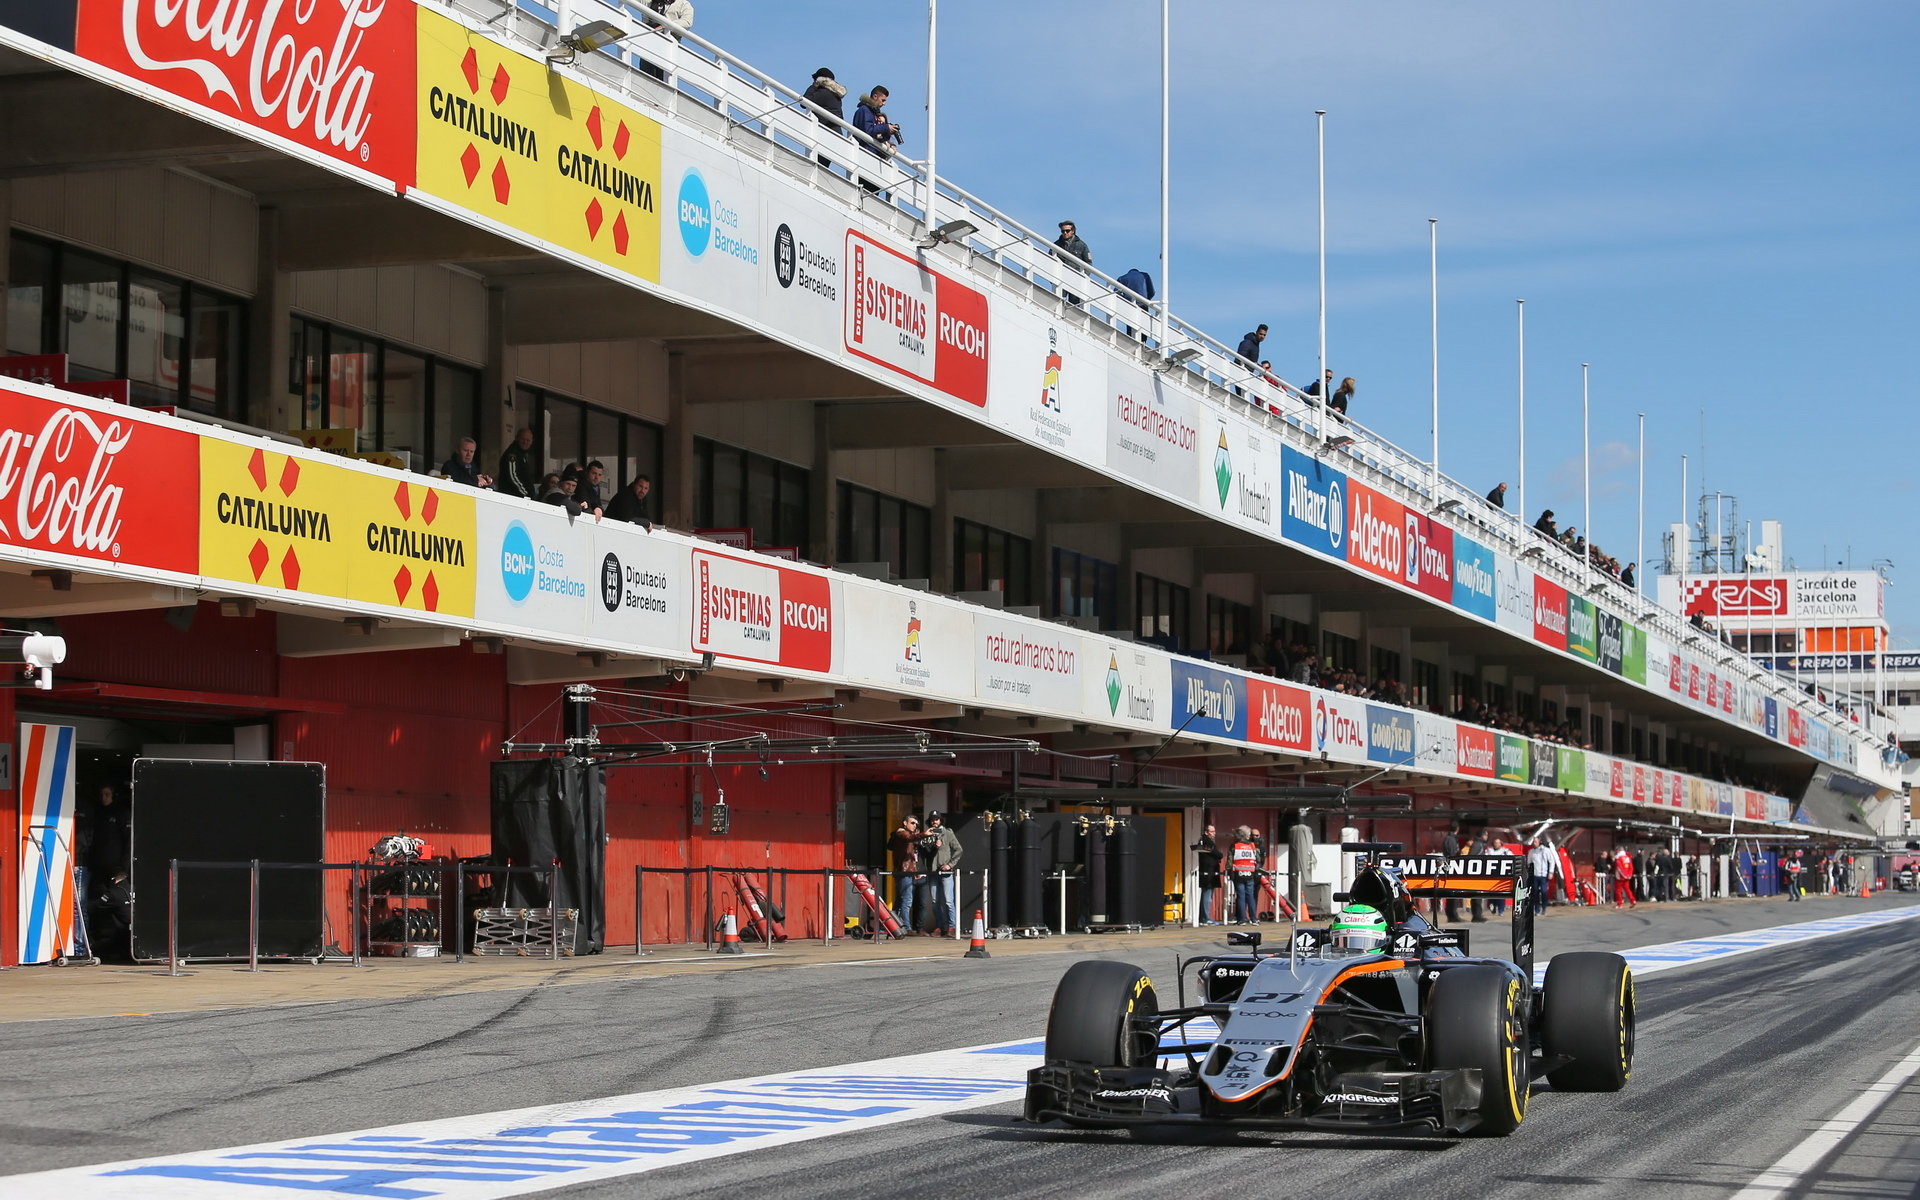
(1359, 927)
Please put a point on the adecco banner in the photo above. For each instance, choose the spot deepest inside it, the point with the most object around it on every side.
(310, 525)
(905, 316)
(639, 591)
(1549, 613)
(336, 79)
(1049, 387)
(1377, 533)
(1314, 512)
(905, 641)
(1031, 665)
(1153, 431)
(1279, 714)
(1476, 751)
(1340, 727)
(511, 140)
(1242, 480)
(1474, 579)
(1134, 687)
(96, 481)
(762, 612)
(1209, 701)
(1389, 736)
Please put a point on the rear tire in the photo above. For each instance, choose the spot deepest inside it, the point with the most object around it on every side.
(1476, 1018)
(1587, 1015)
(1091, 1020)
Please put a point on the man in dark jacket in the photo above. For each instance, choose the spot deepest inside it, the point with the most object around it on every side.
(1207, 858)
(827, 93)
(631, 503)
(519, 474)
(869, 119)
(1498, 496)
(1250, 345)
(1069, 241)
(460, 468)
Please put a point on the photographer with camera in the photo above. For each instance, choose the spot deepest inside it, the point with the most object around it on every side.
(869, 119)
(940, 859)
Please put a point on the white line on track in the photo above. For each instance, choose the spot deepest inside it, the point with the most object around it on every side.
(503, 1154)
(1783, 1176)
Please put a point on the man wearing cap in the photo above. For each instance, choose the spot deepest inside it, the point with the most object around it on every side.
(940, 859)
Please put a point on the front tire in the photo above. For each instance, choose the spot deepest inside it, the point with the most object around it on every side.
(1093, 1014)
(1476, 1018)
(1587, 1016)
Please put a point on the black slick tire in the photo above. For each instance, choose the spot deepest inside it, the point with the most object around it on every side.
(1587, 1017)
(1476, 1018)
(1092, 1017)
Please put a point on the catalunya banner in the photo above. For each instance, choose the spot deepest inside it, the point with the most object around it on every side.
(335, 80)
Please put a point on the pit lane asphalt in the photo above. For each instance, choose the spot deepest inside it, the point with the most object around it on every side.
(1737, 1061)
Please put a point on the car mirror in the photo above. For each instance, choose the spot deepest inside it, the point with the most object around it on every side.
(1244, 937)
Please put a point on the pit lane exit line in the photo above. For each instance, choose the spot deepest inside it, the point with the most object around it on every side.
(528, 1150)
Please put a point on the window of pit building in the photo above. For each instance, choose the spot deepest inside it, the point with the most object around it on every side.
(1385, 664)
(875, 527)
(986, 559)
(397, 400)
(1084, 586)
(1229, 627)
(737, 489)
(1162, 611)
(1426, 685)
(174, 341)
(1338, 652)
(567, 431)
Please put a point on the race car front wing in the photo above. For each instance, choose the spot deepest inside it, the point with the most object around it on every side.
(1361, 1101)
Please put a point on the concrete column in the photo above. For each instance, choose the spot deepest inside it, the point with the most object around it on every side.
(1043, 526)
(6, 263)
(269, 341)
(823, 492)
(498, 421)
(941, 552)
(676, 452)
(1126, 615)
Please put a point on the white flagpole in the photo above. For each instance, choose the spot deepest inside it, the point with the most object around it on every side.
(1433, 287)
(1321, 396)
(1586, 464)
(1166, 173)
(1520, 498)
(932, 191)
(1640, 520)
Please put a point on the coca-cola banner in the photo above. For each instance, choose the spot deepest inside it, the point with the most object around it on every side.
(95, 481)
(335, 77)
(506, 138)
(305, 524)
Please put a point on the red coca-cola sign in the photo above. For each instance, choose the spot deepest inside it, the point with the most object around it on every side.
(335, 76)
(97, 483)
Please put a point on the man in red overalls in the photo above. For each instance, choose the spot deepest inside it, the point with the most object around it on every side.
(1623, 879)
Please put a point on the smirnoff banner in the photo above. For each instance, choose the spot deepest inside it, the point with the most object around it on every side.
(336, 79)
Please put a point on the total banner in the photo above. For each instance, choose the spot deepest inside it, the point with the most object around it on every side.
(905, 641)
(335, 80)
(1340, 727)
(1430, 557)
(1028, 664)
(761, 611)
(323, 528)
(96, 481)
(511, 140)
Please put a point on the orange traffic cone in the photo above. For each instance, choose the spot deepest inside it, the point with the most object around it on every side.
(979, 947)
(729, 937)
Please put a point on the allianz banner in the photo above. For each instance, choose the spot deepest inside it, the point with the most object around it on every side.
(1209, 701)
(1314, 509)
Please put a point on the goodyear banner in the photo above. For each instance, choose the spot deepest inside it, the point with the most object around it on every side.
(508, 139)
(310, 526)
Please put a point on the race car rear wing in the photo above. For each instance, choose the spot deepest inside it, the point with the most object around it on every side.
(1471, 877)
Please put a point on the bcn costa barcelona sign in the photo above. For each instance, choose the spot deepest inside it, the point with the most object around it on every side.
(334, 77)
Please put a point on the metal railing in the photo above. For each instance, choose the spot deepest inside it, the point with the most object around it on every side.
(697, 81)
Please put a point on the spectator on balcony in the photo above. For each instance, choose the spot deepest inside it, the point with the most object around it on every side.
(1318, 387)
(1498, 496)
(676, 17)
(1342, 395)
(630, 504)
(517, 470)
(1072, 247)
(1626, 575)
(568, 497)
(828, 93)
(1250, 344)
(1546, 523)
(592, 481)
(460, 468)
(869, 119)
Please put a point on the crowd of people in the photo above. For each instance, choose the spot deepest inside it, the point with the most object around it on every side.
(580, 488)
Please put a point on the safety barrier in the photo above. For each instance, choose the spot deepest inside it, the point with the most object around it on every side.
(696, 893)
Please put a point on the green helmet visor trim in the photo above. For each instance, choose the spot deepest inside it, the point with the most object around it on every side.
(1359, 927)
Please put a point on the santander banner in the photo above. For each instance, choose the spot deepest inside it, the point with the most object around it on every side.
(1549, 613)
(915, 321)
(97, 484)
(335, 76)
(762, 613)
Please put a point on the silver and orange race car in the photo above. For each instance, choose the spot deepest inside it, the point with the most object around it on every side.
(1412, 1034)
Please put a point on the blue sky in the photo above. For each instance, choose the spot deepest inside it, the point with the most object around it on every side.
(1713, 202)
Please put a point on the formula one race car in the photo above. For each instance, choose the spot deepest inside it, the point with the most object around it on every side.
(1379, 1022)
